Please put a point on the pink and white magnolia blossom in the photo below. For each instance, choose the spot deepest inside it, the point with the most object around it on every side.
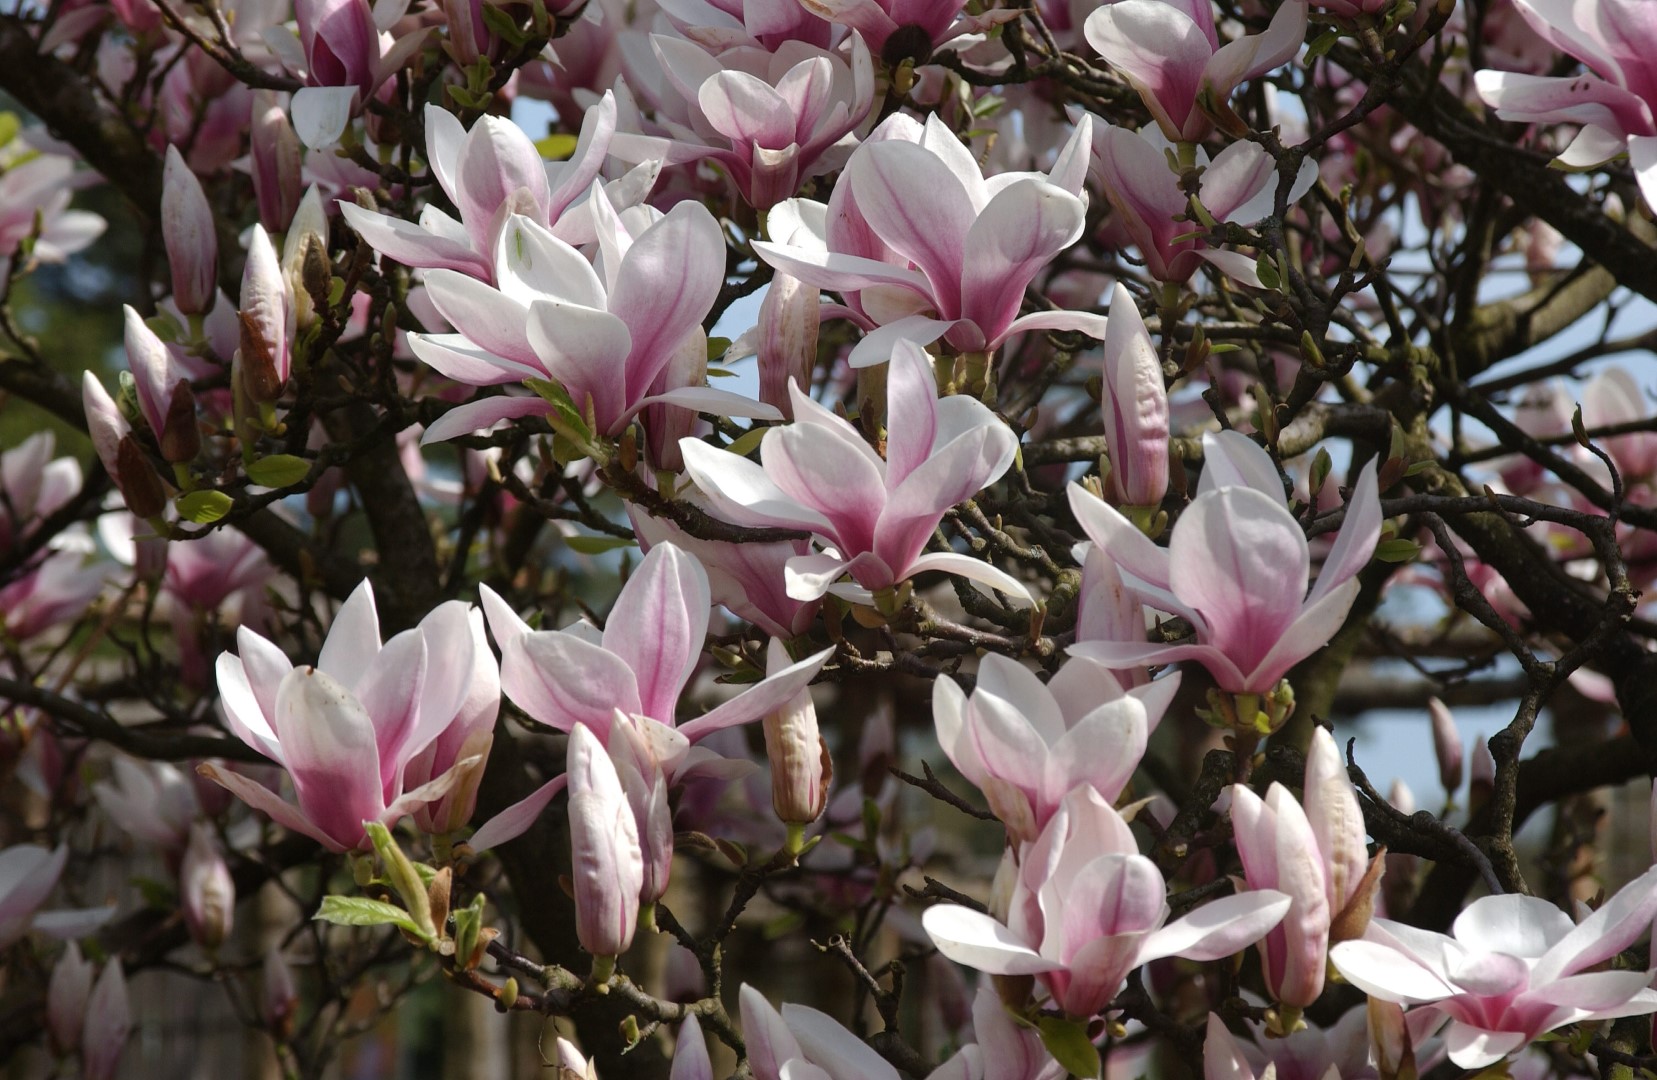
(931, 247)
(1170, 52)
(899, 30)
(606, 334)
(1513, 968)
(1341, 1051)
(1135, 407)
(343, 54)
(690, 1053)
(1087, 908)
(42, 187)
(349, 729)
(818, 474)
(152, 801)
(606, 863)
(1239, 185)
(1317, 857)
(718, 25)
(28, 874)
(800, 1043)
(188, 232)
(108, 1024)
(1107, 610)
(489, 173)
(1614, 102)
(637, 666)
(1237, 567)
(1026, 744)
(33, 486)
(770, 119)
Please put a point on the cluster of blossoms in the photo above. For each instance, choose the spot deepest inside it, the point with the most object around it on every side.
(367, 260)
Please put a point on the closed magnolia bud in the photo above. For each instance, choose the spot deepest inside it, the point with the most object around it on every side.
(790, 318)
(187, 230)
(155, 372)
(280, 1001)
(208, 893)
(267, 321)
(1446, 745)
(801, 767)
(66, 997)
(108, 1023)
(138, 480)
(606, 862)
(307, 234)
(1481, 780)
(104, 423)
(180, 435)
(1135, 406)
(276, 159)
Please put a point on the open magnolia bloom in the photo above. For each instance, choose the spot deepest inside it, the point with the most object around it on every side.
(1026, 744)
(637, 666)
(1513, 968)
(1237, 567)
(800, 1043)
(489, 173)
(819, 475)
(605, 334)
(924, 246)
(1170, 52)
(1613, 104)
(349, 730)
(1087, 909)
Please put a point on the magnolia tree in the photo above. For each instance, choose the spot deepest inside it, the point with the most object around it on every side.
(834, 539)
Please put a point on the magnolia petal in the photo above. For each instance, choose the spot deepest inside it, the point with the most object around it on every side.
(1219, 928)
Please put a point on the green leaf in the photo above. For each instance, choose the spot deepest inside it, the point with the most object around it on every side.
(748, 441)
(1266, 270)
(717, 347)
(503, 25)
(10, 125)
(1067, 1041)
(1322, 44)
(1321, 464)
(596, 545)
(1419, 467)
(361, 911)
(278, 470)
(721, 373)
(1397, 550)
(563, 406)
(556, 147)
(204, 507)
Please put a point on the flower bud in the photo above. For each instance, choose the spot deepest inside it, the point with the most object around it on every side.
(790, 318)
(276, 158)
(209, 894)
(267, 320)
(308, 232)
(606, 863)
(66, 997)
(1446, 745)
(156, 375)
(108, 1023)
(104, 423)
(187, 230)
(138, 480)
(281, 1001)
(633, 753)
(1481, 780)
(801, 766)
(690, 1053)
(1135, 406)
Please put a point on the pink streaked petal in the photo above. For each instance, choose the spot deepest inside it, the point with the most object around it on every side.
(741, 492)
(1313, 628)
(1218, 928)
(562, 681)
(391, 693)
(413, 245)
(532, 264)
(766, 696)
(1168, 76)
(480, 415)
(1024, 226)
(1618, 923)
(455, 357)
(1120, 654)
(1384, 972)
(353, 640)
(877, 346)
(746, 109)
(665, 286)
(828, 270)
(587, 351)
(1355, 543)
(1474, 1048)
(658, 626)
(973, 569)
(1119, 539)
(1232, 459)
(1248, 57)
(920, 208)
(1086, 322)
(491, 319)
(965, 466)
(978, 941)
(811, 577)
(815, 469)
(710, 400)
(569, 180)
(268, 803)
(912, 395)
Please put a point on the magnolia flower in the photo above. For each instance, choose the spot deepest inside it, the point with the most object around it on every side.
(1239, 185)
(1107, 610)
(801, 766)
(818, 474)
(1007, 1050)
(41, 188)
(690, 1053)
(606, 863)
(1026, 744)
(605, 335)
(340, 54)
(785, 341)
(1318, 858)
(188, 232)
(1513, 968)
(108, 1023)
(269, 319)
(1087, 908)
(275, 160)
(930, 246)
(1135, 407)
(163, 390)
(349, 729)
(153, 801)
(1237, 568)
(1613, 103)
(1341, 1051)
(28, 874)
(638, 665)
(1447, 747)
(1171, 54)
(800, 1043)
(770, 120)
(489, 173)
(33, 485)
(66, 997)
(206, 889)
(899, 30)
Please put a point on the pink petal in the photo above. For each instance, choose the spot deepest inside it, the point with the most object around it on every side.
(516, 819)
(658, 626)
(563, 681)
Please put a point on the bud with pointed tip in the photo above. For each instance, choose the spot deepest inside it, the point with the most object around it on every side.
(1481, 779)
(163, 390)
(637, 745)
(280, 1003)
(307, 234)
(801, 766)
(790, 318)
(1135, 407)
(606, 862)
(66, 998)
(267, 319)
(1446, 745)
(187, 230)
(108, 1023)
(276, 158)
(140, 484)
(208, 892)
